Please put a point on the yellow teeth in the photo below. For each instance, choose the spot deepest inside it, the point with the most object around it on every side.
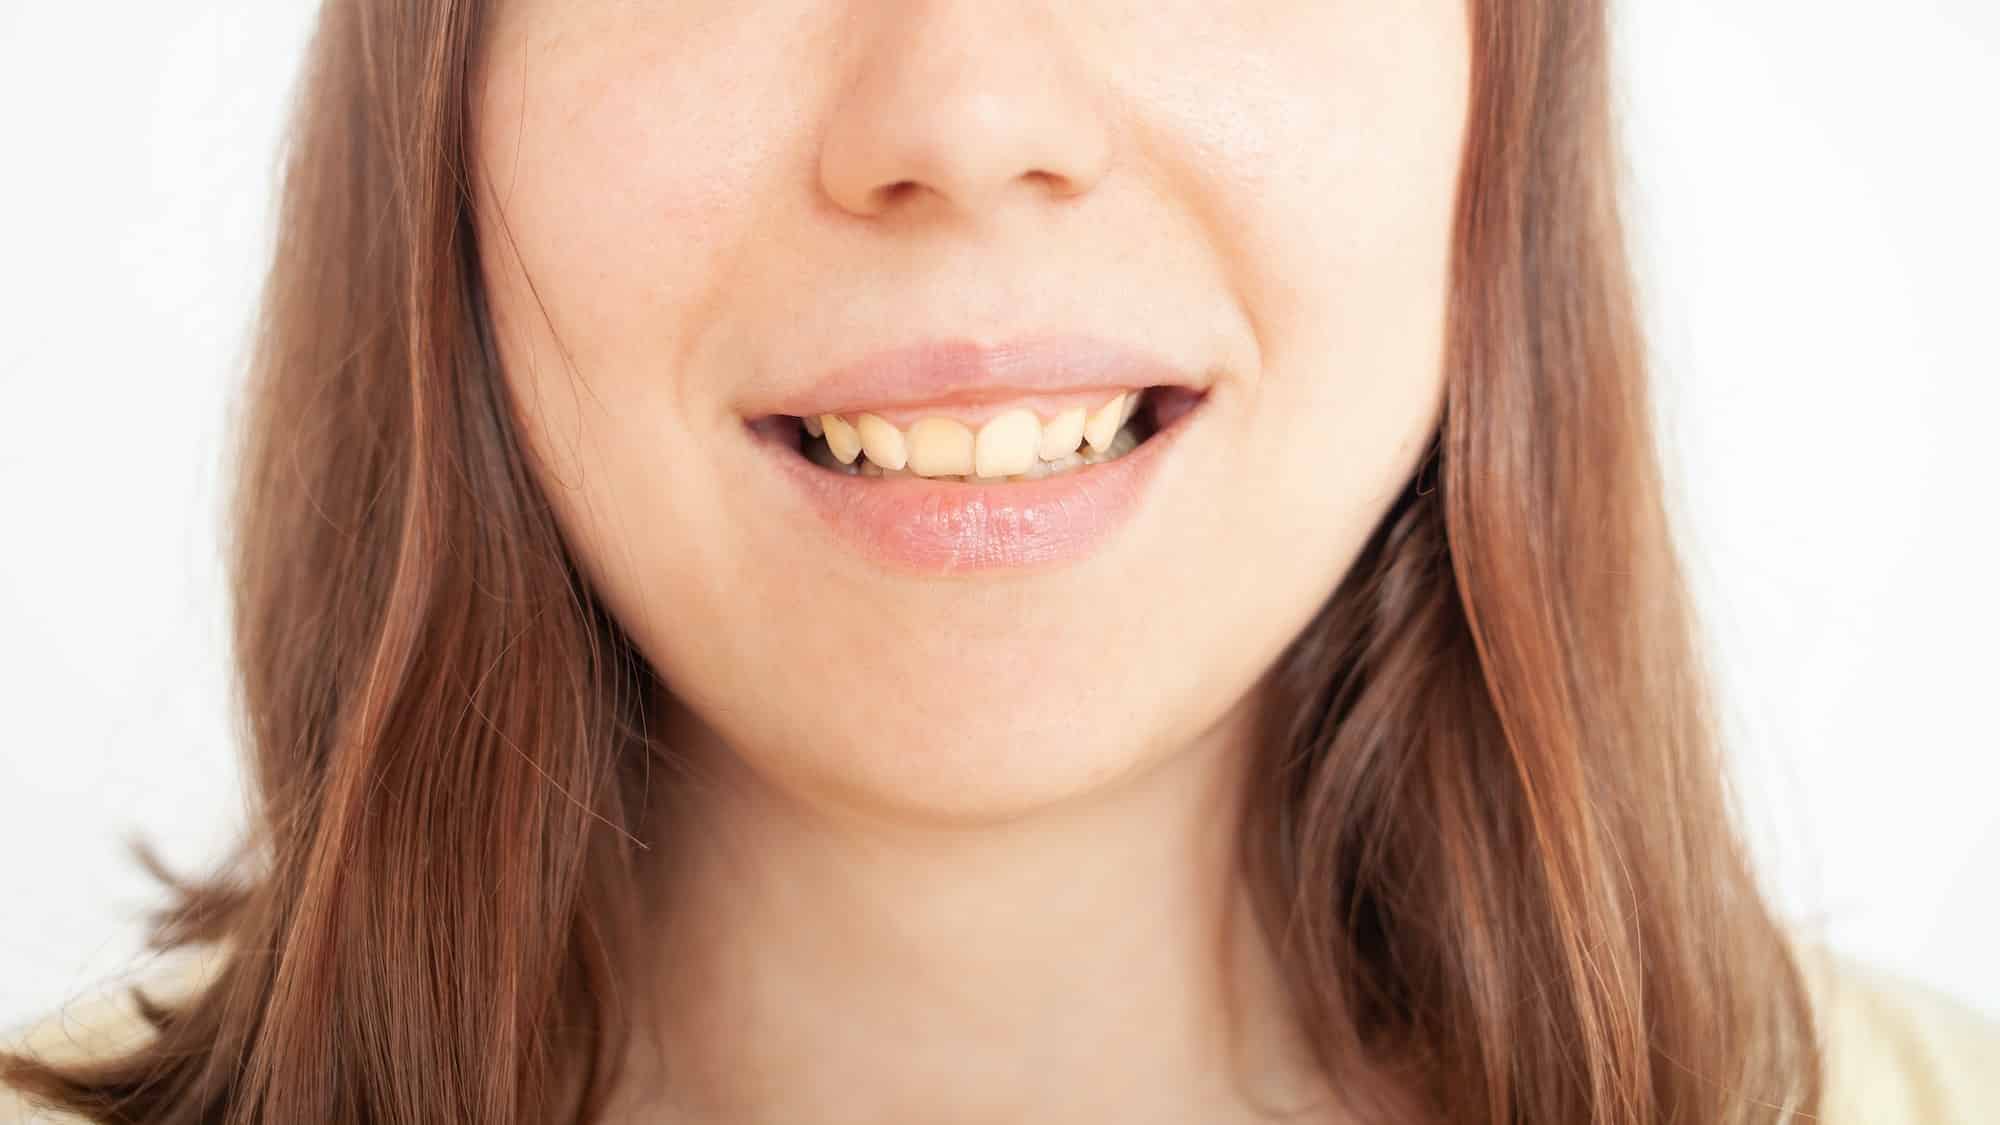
(940, 447)
(841, 438)
(1104, 422)
(1015, 445)
(883, 442)
(1008, 444)
(1062, 435)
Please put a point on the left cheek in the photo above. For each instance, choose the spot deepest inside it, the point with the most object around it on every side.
(1355, 261)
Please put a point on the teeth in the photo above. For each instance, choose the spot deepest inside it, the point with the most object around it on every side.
(1040, 469)
(819, 454)
(940, 447)
(1104, 422)
(1125, 442)
(1061, 436)
(1016, 445)
(1007, 444)
(841, 438)
(883, 442)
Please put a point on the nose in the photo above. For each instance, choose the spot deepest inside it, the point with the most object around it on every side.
(960, 105)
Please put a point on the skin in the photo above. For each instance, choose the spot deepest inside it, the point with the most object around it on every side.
(961, 849)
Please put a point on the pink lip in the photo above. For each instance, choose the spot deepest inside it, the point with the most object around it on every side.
(941, 527)
(946, 371)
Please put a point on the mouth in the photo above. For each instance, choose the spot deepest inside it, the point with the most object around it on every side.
(1003, 443)
(1001, 485)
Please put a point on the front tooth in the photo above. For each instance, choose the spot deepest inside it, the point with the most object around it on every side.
(940, 447)
(883, 442)
(841, 438)
(1104, 423)
(1007, 444)
(1062, 435)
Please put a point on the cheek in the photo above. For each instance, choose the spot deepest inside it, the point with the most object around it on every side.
(614, 189)
(1338, 213)
(1337, 216)
(620, 177)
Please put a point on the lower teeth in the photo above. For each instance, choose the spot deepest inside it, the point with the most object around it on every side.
(1127, 439)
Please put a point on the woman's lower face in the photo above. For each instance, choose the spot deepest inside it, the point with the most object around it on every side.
(962, 406)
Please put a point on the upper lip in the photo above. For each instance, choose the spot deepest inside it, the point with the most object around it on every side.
(941, 371)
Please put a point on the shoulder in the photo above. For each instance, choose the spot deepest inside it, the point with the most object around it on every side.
(102, 1021)
(1898, 1052)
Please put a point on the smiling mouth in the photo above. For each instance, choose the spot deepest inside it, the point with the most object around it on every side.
(1015, 444)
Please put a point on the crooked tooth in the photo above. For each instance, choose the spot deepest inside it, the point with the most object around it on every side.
(1062, 435)
(1007, 444)
(1104, 422)
(1132, 401)
(883, 442)
(841, 438)
(811, 422)
(939, 447)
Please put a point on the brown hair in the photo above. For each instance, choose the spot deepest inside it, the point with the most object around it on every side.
(1493, 836)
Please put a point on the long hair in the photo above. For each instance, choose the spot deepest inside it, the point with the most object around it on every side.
(1491, 838)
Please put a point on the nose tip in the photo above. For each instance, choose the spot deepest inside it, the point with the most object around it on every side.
(961, 104)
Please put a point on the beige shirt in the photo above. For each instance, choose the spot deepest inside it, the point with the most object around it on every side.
(1898, 1053)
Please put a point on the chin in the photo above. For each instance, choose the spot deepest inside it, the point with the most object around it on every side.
(973, 743)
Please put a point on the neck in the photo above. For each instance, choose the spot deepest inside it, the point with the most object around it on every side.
(1099, 961)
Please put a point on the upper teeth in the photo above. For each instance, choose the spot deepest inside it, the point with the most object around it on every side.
(1008, 445)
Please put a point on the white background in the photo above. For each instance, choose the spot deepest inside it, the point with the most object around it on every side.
(1814, 201)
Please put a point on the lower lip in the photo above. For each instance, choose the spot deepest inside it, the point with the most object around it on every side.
(955, 527)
